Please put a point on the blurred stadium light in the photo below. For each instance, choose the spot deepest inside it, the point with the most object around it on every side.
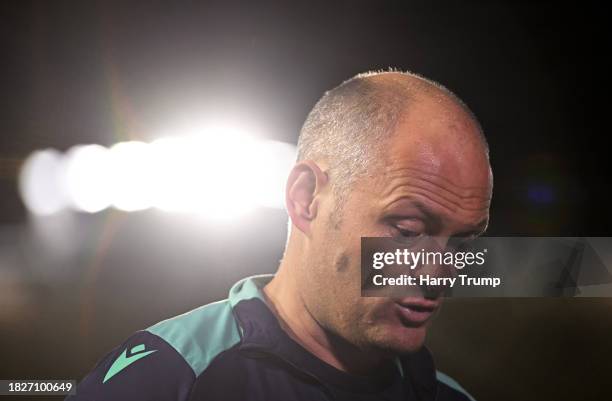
(223, 174)
(132, 176)
(41, 182)
(87, 179)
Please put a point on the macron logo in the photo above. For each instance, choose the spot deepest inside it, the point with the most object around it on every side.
(124, 360)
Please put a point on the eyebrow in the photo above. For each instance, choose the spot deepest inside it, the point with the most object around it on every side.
(479, 229)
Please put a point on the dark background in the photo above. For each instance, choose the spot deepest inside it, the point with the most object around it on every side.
(74, 286)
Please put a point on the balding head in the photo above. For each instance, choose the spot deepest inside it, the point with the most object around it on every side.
(382, 155)
(350, 126)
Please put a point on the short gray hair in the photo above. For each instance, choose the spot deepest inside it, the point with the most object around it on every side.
(350, 124)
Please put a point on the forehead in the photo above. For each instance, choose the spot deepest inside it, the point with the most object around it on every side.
(437, 158)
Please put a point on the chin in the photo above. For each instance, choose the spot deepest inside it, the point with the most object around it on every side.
(401, 340)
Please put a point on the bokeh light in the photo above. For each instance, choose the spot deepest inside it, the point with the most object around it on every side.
(216, 171)
(131, 180)
(88, 179)
(41, 182)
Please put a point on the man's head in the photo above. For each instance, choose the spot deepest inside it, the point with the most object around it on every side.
(382, 155)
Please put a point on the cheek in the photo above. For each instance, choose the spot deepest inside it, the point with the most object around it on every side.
(347, 276)
(342, 263)
(334, 267)
(339, 287)
(376, 310)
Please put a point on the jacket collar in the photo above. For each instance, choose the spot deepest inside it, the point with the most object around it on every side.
(262, 333)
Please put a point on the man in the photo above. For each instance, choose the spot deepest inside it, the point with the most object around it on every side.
(382, 155)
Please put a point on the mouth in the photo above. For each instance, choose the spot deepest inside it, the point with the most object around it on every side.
(415, 312)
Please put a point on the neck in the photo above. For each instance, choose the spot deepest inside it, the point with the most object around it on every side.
(283, 296)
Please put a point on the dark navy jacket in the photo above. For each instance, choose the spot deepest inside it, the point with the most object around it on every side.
(236, 350)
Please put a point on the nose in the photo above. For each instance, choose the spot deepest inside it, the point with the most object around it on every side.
(434, 252)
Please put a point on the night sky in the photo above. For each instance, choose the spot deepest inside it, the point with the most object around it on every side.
(99, 72)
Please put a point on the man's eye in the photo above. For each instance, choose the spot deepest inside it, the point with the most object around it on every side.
(407, 237)
(408, 233)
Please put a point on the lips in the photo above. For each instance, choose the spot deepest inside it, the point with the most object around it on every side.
(415, 311)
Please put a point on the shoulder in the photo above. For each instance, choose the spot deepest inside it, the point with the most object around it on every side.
(163, 361)
(449, 389)
(143, 367)
(201, 334)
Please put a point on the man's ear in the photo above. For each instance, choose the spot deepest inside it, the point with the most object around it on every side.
(305, 182)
